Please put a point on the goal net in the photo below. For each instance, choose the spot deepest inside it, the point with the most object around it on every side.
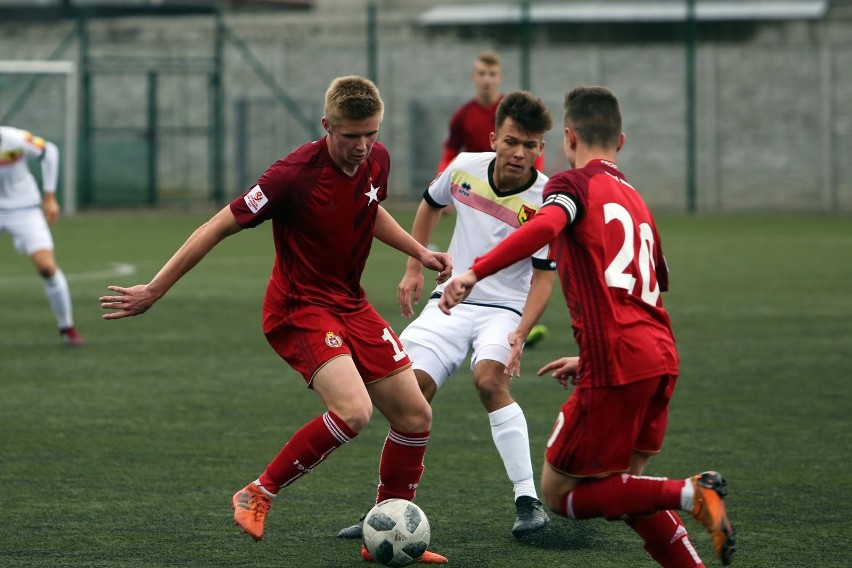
(41, 97)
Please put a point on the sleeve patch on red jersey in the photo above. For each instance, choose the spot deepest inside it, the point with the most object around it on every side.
(255, 199)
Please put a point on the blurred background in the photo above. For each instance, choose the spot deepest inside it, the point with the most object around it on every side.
(125, 453)
(729, 106)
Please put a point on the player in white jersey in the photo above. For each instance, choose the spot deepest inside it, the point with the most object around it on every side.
(25, 216)
(494, 193)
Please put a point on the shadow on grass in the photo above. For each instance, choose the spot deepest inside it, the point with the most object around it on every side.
(563, 534)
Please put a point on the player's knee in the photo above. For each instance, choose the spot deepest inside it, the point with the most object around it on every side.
(554, 500)
(417, 419)
(357, 417)
(493, 394)
(554, 492)
(44, 262)
(421, 419)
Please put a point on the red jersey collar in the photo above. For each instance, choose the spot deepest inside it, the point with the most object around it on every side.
(607, 163)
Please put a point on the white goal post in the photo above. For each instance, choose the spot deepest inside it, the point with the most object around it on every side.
(68, 159)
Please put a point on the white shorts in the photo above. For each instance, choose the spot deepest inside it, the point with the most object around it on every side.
(438, 344)
(28, 228)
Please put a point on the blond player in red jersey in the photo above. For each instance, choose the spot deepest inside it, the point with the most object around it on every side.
(324, 201)
(612, 270)
(472, 123)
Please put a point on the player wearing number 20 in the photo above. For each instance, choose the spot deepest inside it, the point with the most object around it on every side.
(612, 271)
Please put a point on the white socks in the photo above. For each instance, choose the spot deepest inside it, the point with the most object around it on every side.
(687, 494)
(509, 431)
(263, 489)
(59, 298)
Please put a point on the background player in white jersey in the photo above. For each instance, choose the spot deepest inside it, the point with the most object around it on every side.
(494, 193)
(25, 215)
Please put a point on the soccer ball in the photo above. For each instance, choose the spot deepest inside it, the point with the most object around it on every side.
(396, 532)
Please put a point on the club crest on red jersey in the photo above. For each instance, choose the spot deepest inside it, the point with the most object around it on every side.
(333, 340)
(525, 214)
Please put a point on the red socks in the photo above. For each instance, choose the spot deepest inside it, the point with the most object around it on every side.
(617, 496)
(666, 540)
(402, 465)
(645, 504)
(399, 471)
(305, 450)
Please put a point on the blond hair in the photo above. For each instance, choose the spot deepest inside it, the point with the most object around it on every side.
(352, 98)
(488, 57)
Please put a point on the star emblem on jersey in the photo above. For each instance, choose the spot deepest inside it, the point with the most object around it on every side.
(373, 194)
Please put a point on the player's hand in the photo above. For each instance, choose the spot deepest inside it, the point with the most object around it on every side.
(409, 290)
(564, 370)
(516, 348)
(50, 208)
(440, 262)
(133, 301)
(457, 290)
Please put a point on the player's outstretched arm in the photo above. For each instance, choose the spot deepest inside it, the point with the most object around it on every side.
(50, 207)
(49, 178)
(457, 290)
(411, 286)
(136, 300)
(541, 288)
(389, 232)
(564, 370)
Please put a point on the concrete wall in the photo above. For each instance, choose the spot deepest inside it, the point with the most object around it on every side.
(774, 99)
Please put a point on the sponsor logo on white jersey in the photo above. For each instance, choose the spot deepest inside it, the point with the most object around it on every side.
(255, 199)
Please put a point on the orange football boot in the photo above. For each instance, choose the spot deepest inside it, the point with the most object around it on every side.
(250, 505)
(427, 558)
(709, 510)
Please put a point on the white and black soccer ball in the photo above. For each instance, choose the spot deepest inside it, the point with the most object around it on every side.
(396, 532)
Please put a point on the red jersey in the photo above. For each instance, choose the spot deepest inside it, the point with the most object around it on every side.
(612, 270)
(322, 225)
(471, 127)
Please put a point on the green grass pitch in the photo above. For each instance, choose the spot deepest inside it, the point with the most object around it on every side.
(125, 453)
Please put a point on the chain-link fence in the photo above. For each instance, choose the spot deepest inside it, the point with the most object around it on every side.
(773, 111)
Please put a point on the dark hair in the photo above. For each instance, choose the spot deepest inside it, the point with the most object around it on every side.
(595, 115)
(526, 110)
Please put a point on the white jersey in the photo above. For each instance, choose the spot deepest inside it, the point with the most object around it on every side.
(18, 187)
(484, 218)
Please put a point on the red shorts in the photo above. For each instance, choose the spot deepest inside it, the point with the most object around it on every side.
(598, 429)
(311, 336)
